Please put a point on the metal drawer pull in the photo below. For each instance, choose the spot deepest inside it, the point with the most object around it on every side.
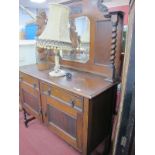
(34, 85)
(72, 102)
(49, 92)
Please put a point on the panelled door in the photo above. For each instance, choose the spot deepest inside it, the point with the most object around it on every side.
(30, 96)
(63, 114)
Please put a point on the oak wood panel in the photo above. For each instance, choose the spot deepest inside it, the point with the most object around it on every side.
(101, 117)
(82, 83)
(30, 99)
(62, 120)
(69, 98)
(74, 141)
(29, 89)
(118, 48)
(31, 111)
(80, 134)
(44, 108)
(73, 114)
(99, 63)
(59, 105)
(87, 7)
(89, 84)
(69, 139)
(85, 127)
(90, 126)
(33, 82)
(102, 43)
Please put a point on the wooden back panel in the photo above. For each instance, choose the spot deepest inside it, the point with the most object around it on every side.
(105, 39)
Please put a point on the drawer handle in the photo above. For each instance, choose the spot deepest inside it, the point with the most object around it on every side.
(34, 85)
(49, 92)
(72, 102)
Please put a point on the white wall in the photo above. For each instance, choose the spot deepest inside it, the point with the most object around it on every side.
(27, 52)
(24, 18)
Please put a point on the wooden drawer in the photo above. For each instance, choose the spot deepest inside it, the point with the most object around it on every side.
(63, 96)
(29, 80)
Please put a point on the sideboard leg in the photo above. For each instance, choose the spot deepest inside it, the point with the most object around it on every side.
(26, 121)
(25, 117)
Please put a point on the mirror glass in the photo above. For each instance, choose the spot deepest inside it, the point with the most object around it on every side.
(80, 38)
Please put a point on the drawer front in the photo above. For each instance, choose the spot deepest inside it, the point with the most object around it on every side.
(29, 80)
(72, 100)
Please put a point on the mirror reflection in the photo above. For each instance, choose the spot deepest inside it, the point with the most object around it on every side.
(80, 38)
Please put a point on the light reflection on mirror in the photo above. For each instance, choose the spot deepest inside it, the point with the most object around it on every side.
(80, 38)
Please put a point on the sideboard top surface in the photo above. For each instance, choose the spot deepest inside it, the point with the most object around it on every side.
(82, 83)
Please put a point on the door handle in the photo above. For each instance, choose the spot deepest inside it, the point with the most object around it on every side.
(34, 85)
(49, 92)
(72, 102)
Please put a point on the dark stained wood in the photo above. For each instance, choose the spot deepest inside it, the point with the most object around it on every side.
(66, 97)
(83, 127)
(62, 120)
(102, 43)
(33, 82)
(105, 44)
(86, 128)
(126, 122)
(101, 117)
(82, 83)
(30, 96)
(59, 105)
(105, 39)
(79, 110)
(31, 100)
(116, 46)
(103, 8)
(44, 107)
(79, 131)
(66, 137)
(65, 120)
(27, 120)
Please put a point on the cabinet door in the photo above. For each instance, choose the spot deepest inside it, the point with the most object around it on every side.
(63, 119)
(30, 96)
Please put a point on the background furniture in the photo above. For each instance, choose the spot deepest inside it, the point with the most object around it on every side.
(125, 133)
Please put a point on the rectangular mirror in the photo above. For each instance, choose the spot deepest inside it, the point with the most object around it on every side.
(80, 38)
